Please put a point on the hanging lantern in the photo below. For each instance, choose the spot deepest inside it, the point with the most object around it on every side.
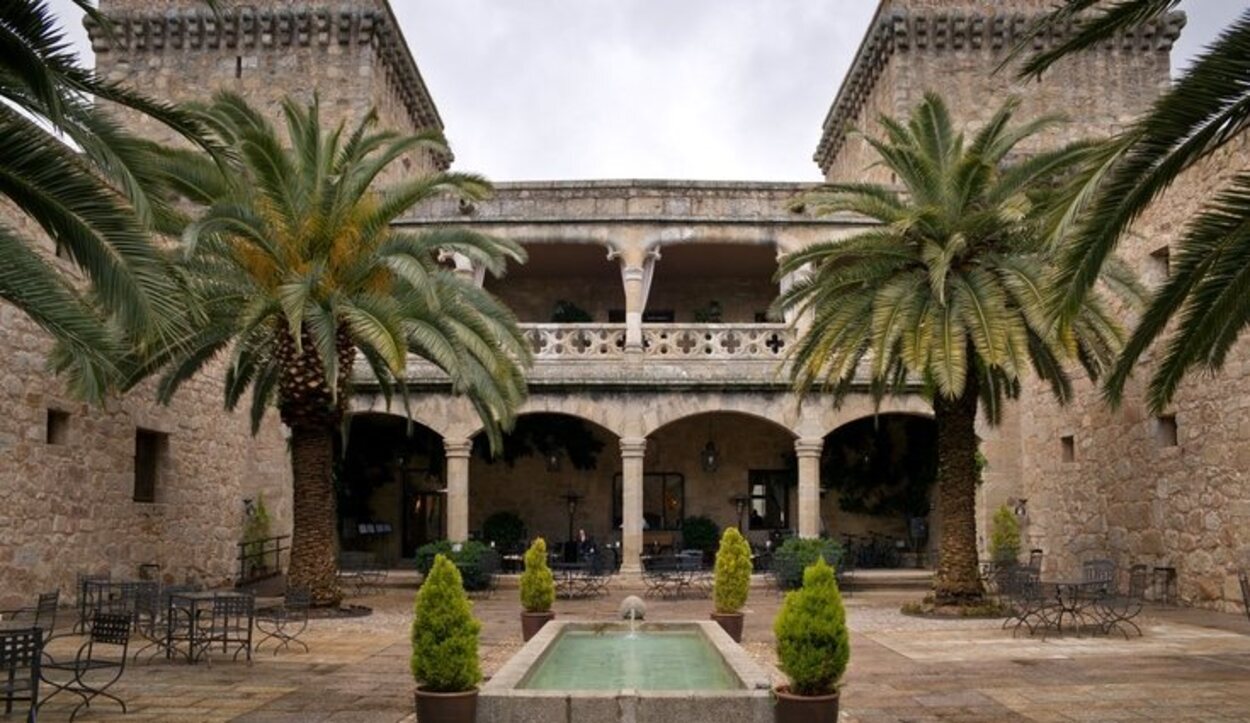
(709, 457)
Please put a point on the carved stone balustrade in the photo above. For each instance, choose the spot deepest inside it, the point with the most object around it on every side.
(673, 356)
(575, 341)
(717, 341)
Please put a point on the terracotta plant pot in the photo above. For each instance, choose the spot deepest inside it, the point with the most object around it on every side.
(804, 708)
(732, 624)
(446, 707)
(531, 623)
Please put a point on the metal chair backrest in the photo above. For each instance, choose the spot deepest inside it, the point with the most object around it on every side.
(1138, 582)
(20, 653)
(133, 596)
(690, 560)
(110, 629)
(20, 649)
(233, 607)
(1098, 571)
(45, 612)
(1244, 579)
(1019, 583)
(83, 578)
(297, 598)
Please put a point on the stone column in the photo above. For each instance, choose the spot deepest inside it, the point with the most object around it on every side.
(458, 451)
(801, 322)
(632, 450)
(632, 277)
(808, 452)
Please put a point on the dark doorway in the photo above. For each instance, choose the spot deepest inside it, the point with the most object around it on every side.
(769, 505)
(424, 521)
(390, 487)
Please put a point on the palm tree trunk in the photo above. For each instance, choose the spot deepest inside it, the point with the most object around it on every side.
(957, 581)
(312, 414)
(314, 539)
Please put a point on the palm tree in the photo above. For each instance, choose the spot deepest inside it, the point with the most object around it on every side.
(75, 174)
(1204, 110)
(297, 274)
(945, 297)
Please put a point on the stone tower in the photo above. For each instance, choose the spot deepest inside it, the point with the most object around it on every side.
(955, 48)
(352, 54)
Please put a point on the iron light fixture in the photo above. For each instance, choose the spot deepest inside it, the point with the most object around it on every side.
(709, 457)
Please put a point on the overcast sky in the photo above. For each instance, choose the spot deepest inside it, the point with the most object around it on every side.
(696, 89)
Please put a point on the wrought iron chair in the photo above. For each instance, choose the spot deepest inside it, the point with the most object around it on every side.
(1117, 610)
(286, 622)
(153, 617)
(1099, 571)
(42, 615)
(88, 598)
(1028, 606)
(695, 578)
(664, 576)
(362, 571)
(229, 625)
(20, 654)
(598, 573)
(109, 631)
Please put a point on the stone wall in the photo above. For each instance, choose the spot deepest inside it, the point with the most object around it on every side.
(69, 506)
(1128, 493)
(69, 502)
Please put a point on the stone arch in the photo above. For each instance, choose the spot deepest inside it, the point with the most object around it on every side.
(862, 406)
(668, 408)
(606, 416)
(376, 404)
(757, 416)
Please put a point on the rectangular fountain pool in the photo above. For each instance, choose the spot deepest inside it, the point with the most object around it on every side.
(614, 659)
(668, 673)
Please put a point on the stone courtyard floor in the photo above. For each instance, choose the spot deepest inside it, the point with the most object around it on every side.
(1189, 666)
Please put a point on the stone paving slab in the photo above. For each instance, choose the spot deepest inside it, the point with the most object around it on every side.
(1189, 666)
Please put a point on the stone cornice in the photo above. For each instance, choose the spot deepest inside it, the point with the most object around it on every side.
(273, 28)
(617, 202)
(895, 29)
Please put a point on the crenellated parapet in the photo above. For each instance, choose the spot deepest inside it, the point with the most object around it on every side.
(901, 28)
(198, 28)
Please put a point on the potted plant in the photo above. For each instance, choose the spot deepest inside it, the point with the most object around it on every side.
(1005, 538)
(444, 648)
(538, 590)
(732, 582)
(813, 647)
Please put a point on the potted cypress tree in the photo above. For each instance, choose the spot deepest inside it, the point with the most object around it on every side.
(732, 582)
(1005, 537)
(444, 648)
(813, 647)
(538, 590)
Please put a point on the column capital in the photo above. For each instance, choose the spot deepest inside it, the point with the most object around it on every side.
(808, 446)
(633, 446)
(458, 448)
